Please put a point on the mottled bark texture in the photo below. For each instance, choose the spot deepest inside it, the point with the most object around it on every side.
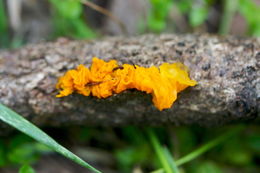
(226, 68)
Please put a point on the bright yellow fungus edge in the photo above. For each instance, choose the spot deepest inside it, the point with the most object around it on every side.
(104, 79)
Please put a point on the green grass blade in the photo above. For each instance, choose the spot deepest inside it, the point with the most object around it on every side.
(170, 160)
(12, 118)
(4, 42)
(3, 21)
(159, 152)
(158, 171)
(208, 146)
(230, 7)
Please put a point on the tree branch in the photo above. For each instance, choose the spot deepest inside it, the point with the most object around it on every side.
(226, 68)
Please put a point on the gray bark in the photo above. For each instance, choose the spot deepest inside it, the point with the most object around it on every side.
(226, 68)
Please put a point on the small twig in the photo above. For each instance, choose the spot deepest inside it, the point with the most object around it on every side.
(105, 12)
(117, 68)
(94, 83)
(133, 65)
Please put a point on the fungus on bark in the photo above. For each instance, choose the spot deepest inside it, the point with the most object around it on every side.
(103, 79)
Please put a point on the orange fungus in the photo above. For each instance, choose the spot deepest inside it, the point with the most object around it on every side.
(103, 79)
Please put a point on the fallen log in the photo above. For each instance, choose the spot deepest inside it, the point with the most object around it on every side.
(226, 69)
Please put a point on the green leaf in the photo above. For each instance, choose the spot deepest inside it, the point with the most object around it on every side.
(158, 14)
(156, 25)
(70, 9)
(184, 5)
(23, 154)
(164, 157)
(26, 169)
(251, 12)
(82, 30)
(68, 20)
(21, 124)
(26, 153)
(198, 15)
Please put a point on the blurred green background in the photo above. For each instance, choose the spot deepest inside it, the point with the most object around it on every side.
(131, 149)
(30, 21)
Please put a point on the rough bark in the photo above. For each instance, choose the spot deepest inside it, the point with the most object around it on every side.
(226, 68)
